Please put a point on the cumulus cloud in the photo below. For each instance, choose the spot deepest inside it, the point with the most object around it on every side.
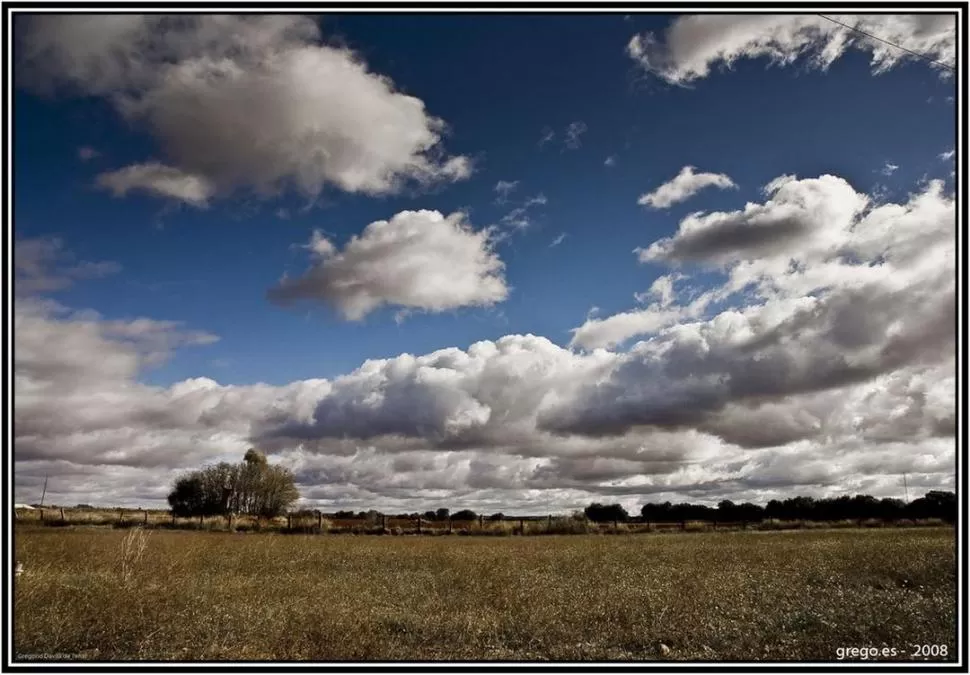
(610, 161)
(836, 293)
(819, 362)
(416, 260)
(948, 155)
(684, 186)
(693, 45)
(161, 180)
(312, 114)
(811, 211)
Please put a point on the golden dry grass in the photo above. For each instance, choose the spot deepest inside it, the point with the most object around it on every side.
(709, 596)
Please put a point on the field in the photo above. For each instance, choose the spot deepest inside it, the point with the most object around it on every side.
(100, 593)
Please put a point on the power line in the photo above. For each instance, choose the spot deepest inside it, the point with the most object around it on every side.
(891, 44)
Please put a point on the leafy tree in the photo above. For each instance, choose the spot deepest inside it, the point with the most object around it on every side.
(599, 513)
(441, 514)
(464, 514)
(253, 487)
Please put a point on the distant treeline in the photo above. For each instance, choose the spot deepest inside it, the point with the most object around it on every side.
(935, 504)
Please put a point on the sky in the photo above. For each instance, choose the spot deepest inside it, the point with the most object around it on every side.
(507, 263)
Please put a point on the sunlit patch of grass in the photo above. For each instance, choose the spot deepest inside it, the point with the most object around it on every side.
(712, 596)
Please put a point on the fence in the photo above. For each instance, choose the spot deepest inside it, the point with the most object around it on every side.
(320, 523)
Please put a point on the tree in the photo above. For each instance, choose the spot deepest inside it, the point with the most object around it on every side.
(253, 487)
(599, 513)
(441, 514)
(464, 514)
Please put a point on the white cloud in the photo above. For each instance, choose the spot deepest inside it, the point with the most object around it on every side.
(163, 181)
(42, 265)
(573, 135)
(312, 115)
(503, 189)
(517, 219)
(692, 45)
(615, 329)
(836, 292)
(558, 240)
(547, 136)
(810, 211)
(610, 161)
(889, 169)
(417, 259)
(823, 362)
(684, 186)
(948, 155)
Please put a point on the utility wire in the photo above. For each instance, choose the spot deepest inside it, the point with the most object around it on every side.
(891, 44)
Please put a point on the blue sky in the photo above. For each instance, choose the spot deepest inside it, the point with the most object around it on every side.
(499, 83)
(211, 268)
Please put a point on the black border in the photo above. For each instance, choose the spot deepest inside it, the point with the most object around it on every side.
(564, 7)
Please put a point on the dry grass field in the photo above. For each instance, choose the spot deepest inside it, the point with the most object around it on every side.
(105, 593)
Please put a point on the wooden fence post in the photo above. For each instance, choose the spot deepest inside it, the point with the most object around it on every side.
(616, 528)
(121, 515)
(146, 517)
(521, 526)
(449, 524)
(173, 518)
(419, 524)
(549, 523)
(481, 522)
(683, 525)
(62, 513)
(320, 522)
(201, 520)
(42, 514)
(384, 522)
(288, 521)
